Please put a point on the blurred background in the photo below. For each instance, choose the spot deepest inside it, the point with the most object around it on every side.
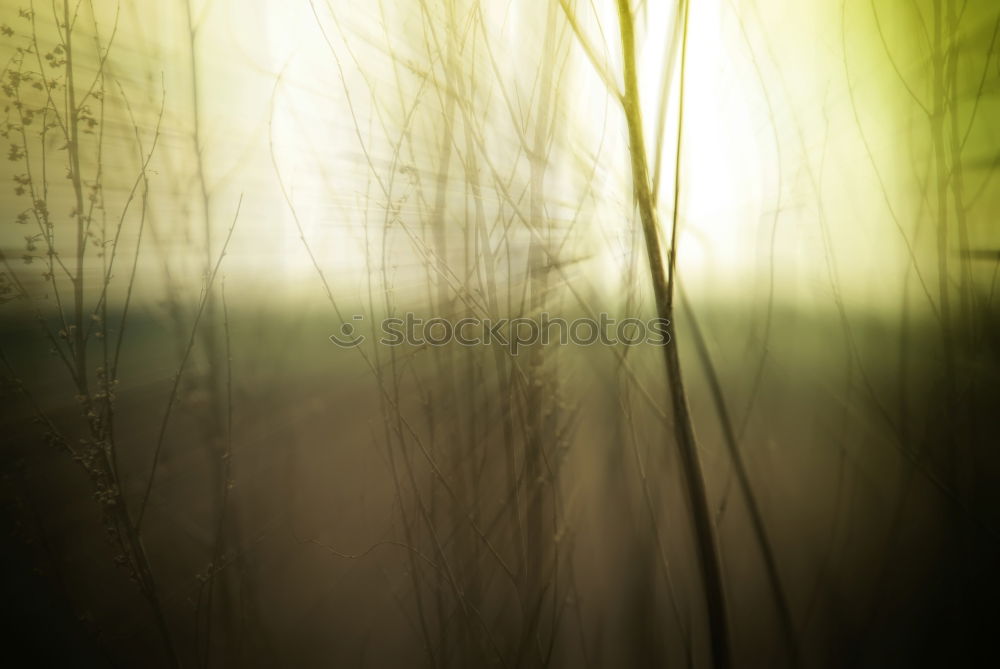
(198, 193)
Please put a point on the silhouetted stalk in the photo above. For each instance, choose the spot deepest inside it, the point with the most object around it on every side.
(213, 426)
(663, 278)
(443, 303)
(172, 398)
(746, 489)
(956, 181)
(219, 546)
(540, 386)
(937, 120)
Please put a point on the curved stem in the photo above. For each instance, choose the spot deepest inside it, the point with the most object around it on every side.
(709, 561)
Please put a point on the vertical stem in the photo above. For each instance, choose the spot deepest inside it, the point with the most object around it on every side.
(196, 132)
(214, 427)
(957, 180)
(540, 387)
(73, 148)
(939, 110)
(709, 562)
